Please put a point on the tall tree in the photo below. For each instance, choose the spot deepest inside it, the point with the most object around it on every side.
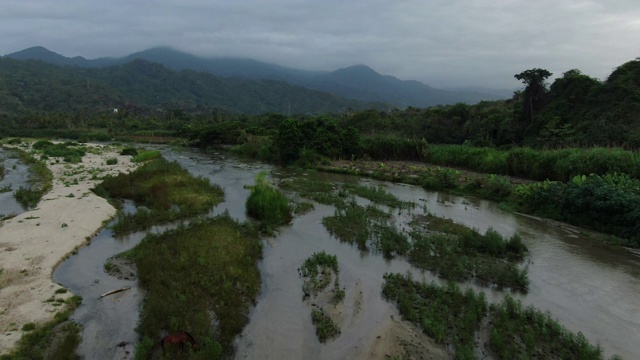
(534, 91)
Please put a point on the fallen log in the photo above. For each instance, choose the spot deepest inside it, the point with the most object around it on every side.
(115, 291)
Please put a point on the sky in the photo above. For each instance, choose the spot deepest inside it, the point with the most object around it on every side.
(444, 43)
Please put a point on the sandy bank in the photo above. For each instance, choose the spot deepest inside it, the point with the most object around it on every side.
(33, 243)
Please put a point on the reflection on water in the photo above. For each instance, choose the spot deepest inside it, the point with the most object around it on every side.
(587, 286)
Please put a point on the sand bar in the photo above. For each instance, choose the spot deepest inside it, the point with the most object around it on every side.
(34, 242)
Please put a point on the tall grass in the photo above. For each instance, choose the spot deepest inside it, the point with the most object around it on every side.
(165, 189)
(562, 164)
(40, 182)
(268, 204)
(201, 278)
(457, 252)
(453, 317)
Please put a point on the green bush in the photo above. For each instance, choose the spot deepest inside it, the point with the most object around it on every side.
(112, 161)
(268, 204)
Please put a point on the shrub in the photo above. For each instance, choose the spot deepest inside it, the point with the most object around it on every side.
(268, 204)
(112, 161)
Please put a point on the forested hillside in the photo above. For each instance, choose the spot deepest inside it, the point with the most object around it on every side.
(357, 82)
(34, 86)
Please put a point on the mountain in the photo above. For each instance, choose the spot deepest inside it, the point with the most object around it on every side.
(48, 56)
(32, 86)
(357, 82)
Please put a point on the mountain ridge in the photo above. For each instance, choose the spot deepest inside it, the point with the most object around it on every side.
(357, 82)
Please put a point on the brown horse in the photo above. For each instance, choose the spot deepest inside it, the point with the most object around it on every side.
(179, 338)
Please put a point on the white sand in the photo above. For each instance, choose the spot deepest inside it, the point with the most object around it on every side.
(33, 243)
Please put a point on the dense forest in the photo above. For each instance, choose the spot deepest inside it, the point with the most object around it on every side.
(29, 86)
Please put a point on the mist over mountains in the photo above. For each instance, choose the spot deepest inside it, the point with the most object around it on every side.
(358, 82)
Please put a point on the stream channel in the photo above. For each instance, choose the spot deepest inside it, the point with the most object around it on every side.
(587, 286)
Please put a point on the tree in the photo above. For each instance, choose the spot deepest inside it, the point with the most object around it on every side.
(289, 140)
(535, 89)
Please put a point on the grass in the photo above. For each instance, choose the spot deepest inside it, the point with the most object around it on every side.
(166, 190)
(320, 191)
(453, 317)
(318, 270)
(201, 278)
(112, 161)
(70, 152)
(57, 339)
(369, 228)
(303, 207)
(145, 155)
(326, 328)
(446, 314)
(457, 252)
(267, 204)
(40, 181)
(378, 195)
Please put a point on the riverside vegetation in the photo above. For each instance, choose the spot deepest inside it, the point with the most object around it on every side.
(318, 270)
(453, 318)
(56, 339)
(164, 191)
(201, 277)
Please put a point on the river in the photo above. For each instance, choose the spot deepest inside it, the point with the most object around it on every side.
(587, 286)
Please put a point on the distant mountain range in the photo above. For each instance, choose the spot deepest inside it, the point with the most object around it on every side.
(357, 82)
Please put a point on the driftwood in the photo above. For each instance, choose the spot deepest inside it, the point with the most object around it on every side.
(115, 291)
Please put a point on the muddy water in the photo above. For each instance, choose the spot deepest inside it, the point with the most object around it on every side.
(16, 176)
(587, 286)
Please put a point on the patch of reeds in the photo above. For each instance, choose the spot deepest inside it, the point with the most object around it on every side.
(378, 195)
(40, 182)
(447, 314)
(326, 328)
(525, 332)
(267, 204)
(457, 252)
(368, 227)
(318, 270)
(165, 190)
(146, 155)
(201, 278)
(56, 339)
(453, 317)
(322, 192)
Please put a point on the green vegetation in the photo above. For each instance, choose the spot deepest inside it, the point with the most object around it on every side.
(166, 190)
(607, 203)
(70, 152)
(446, 314)
(452, 318)
(528, 333)
(456, 252)
(320, 191)
(326, 328)
(268, 204)
(318, 270)
(197, 275)
(112, 161)
(378, 195)
(57, 339)
(40, 180)
(302, 208)
(145, 155)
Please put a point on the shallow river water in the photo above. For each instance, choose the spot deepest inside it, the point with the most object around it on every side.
(587, 286)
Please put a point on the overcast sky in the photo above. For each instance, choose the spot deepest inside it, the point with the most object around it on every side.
(440, 42)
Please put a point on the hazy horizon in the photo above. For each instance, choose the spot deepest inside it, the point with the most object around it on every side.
(441, 43)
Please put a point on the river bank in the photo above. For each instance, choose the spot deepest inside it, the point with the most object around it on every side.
(34, 242)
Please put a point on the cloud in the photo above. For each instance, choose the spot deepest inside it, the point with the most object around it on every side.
(455, 42)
